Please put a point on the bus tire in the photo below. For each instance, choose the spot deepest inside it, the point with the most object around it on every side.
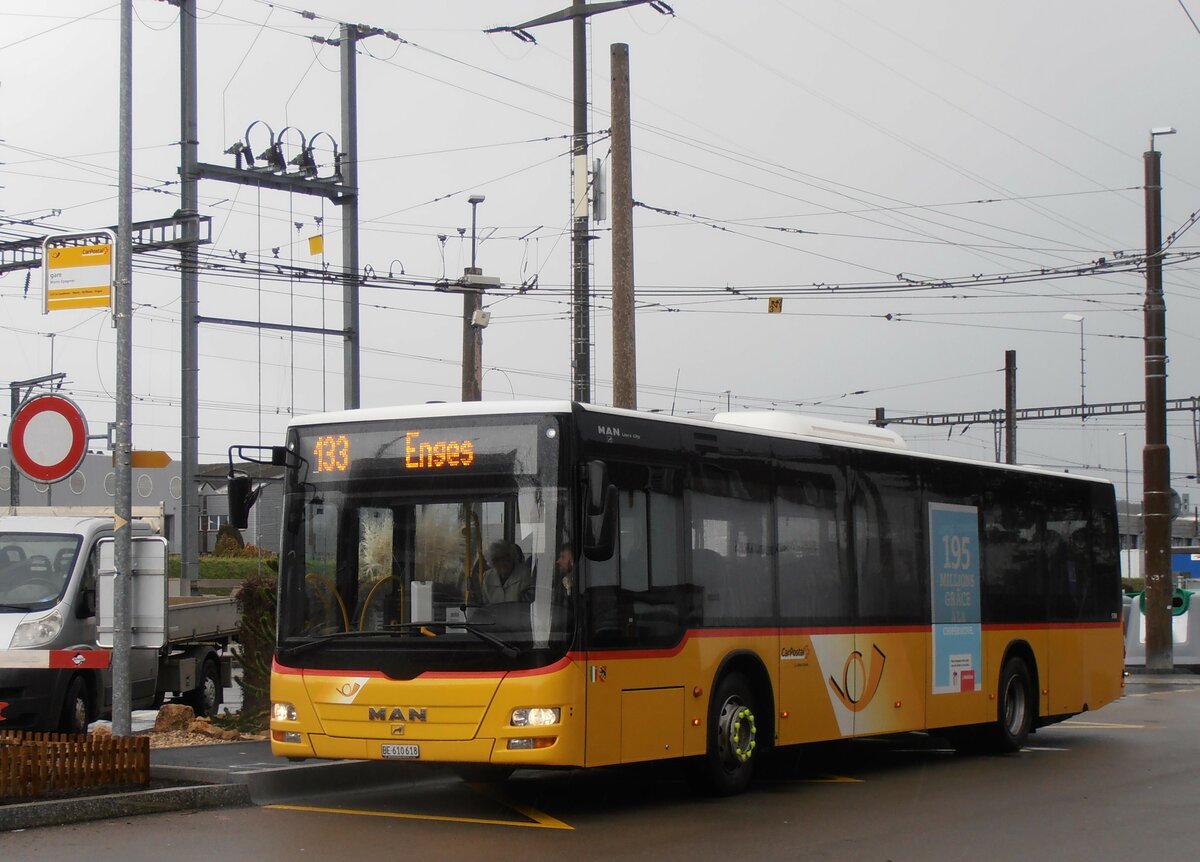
(728, 765)
(205, 698)
(1015, 706)
(77, 707)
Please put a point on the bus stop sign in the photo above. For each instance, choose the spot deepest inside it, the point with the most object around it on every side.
(47, 438)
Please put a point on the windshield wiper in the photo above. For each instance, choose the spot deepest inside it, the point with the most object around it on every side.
(504, 646)
(8, 607)
(321, 640)
(471, 628)
(507, 649)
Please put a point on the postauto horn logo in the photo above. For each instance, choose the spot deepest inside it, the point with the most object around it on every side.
(851, 698)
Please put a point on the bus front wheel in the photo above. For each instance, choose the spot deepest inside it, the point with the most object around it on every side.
(728, 765)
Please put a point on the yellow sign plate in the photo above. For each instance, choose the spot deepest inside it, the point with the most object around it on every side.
(146, 459)
(78, 276)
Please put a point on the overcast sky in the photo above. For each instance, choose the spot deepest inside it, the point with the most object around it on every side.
(847, 155)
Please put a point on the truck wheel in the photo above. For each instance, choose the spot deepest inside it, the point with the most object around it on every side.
(77, 708)
(205, 698)
(728, 766)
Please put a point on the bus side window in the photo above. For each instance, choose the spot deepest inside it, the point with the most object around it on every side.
(634, 557)
(813, 584)
(607, 606)
(634, 598)
(737, 590)
(889, 539)
(1068, 547)
(1014, 579)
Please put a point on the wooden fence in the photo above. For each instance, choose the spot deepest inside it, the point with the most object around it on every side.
(38, 764)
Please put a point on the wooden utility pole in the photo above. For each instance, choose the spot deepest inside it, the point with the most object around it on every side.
(624, 341)
(472, 362)
(581, 326)
(1010, 407)
(472, 357)
(1156, 455)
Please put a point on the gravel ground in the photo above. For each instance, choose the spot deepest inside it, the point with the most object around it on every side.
(179, 738)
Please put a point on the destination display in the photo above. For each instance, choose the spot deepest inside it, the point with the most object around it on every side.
(339, 453)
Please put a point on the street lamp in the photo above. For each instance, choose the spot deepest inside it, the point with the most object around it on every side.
(474, 201)
(1078, 318)
(1128, 514)
(1161, 130)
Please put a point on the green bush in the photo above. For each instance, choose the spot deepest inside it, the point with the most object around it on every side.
(227, 568)
(229, 541)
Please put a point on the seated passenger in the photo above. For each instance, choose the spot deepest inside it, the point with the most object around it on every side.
(564, 569)
(508, 578)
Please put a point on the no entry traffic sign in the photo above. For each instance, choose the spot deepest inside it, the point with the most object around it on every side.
(48, 438)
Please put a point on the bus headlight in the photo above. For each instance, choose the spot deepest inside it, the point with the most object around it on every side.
(35, 633)
(282, 712)
(536, 716)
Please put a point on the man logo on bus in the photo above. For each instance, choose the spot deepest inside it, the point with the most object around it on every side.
(857, 701)
(395, 713)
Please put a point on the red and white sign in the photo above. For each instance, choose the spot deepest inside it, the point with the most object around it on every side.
(48, 438)
(92, 659)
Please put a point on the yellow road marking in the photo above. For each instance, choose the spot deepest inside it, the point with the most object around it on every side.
(541, 820)
(540, 817)
(832, 779)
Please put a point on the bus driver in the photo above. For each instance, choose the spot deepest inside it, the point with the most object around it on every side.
(508, 578)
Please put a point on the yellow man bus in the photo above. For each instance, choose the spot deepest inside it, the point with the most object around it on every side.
(550, 584)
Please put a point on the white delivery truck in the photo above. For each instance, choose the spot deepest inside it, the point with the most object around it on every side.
(48, 602)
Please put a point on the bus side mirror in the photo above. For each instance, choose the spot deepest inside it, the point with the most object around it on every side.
(596, 477)
(241, 498)
(600, 519)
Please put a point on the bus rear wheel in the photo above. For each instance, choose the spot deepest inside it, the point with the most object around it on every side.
(1015, 707)
(728, 765)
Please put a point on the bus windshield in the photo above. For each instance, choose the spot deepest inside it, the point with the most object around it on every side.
(440, 543)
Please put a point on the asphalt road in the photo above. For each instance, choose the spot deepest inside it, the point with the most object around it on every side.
(1119, 784)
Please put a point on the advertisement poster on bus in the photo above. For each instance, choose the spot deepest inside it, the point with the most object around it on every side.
(954, 583)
